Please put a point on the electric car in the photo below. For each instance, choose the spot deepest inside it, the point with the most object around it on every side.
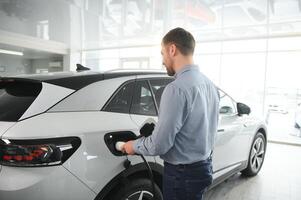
(58, 133)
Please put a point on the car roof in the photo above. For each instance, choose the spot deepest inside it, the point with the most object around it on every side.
(78, 80)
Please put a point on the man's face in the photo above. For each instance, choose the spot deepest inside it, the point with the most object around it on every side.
(167, 60)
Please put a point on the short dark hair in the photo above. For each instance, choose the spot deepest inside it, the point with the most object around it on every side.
(183, 40)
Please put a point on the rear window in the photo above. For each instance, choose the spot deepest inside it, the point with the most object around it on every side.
(16, 97)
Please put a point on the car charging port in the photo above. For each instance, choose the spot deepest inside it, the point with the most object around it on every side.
(112, 138)
(116, 140)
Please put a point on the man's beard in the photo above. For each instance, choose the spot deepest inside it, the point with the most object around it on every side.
(170, 71)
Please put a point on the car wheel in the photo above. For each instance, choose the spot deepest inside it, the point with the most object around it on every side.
(256, 156)
(297, 125)
(140, 189)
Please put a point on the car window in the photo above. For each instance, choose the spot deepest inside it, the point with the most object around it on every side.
(158, 86)
(143, 102)
(226, 105)
(16, 97)
(121, 102)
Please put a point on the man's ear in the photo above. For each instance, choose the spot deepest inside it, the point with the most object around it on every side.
(172, 50)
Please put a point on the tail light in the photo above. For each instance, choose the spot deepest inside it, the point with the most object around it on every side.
(42, 152)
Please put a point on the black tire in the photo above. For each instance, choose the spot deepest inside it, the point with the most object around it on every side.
(255, 157)
(137, 188)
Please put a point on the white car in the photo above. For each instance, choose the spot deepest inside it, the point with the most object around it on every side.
(58, 133)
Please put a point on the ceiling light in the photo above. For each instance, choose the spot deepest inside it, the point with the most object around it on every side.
(18, 53)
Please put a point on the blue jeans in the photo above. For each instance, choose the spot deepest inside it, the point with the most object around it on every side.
(186, 182)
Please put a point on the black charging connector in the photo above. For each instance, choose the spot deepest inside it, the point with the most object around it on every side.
(147, 130)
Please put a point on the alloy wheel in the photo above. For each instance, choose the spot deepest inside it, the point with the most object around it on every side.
(140, 195)
(257, 154)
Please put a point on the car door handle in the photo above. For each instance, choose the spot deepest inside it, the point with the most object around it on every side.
(221, 130)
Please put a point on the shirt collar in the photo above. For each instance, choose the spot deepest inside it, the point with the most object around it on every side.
(185, 69)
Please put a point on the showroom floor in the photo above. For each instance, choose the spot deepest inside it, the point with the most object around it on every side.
(279, 179)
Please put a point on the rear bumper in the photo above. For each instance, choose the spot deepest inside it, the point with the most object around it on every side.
(47, 183)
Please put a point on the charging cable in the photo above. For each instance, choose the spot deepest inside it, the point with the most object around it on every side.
(119, 147)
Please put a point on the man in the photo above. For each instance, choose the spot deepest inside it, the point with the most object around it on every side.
(187, 124)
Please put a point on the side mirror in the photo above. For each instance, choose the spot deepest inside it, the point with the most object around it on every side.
(243, 109)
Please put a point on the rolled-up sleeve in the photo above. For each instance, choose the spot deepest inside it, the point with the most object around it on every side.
(172, 115)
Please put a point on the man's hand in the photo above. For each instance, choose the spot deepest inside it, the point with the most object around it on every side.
(128, 148)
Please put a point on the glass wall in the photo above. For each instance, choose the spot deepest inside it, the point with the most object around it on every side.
(48, 20)
(250, 49)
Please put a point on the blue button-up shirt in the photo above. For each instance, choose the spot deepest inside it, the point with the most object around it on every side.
(188, 119)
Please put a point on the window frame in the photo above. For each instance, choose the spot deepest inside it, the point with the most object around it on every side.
(165, 78)
(114, 95)
(131, 102)
(234, 103)
(152, 94)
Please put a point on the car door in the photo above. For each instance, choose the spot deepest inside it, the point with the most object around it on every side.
(226, 155)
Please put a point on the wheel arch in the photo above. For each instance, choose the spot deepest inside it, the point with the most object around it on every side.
(264, 132)
(133, 172)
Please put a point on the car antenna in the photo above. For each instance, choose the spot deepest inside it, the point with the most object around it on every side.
(80, 68)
